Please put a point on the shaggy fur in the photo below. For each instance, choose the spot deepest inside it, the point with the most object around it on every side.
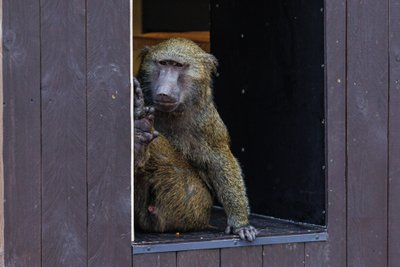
(190, 162)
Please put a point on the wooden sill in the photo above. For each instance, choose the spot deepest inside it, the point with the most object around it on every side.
(272, 231)
(153, 38)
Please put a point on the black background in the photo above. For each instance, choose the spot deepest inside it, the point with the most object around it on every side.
(270, 94)
(176, 15)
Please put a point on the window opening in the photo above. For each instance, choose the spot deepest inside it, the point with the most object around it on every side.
(269, 91)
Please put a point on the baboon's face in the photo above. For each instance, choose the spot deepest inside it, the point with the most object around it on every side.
(176, 74)
(169, 85)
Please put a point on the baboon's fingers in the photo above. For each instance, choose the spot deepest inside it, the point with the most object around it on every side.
(150, 114)
(148, 136)
(251, 233)
(143, 125)
(155, 134)
(248, 232)
(241, 235)
(138, 93)
(228, 230)
(138, 109)
(151, 111)
(144, 137)
(135, 83)
(250, 236)
(138, 100)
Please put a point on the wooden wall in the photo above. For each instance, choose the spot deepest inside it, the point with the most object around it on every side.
(1, 147)
(363, 150)
(394, 133)
(67, 154)
(67, 132)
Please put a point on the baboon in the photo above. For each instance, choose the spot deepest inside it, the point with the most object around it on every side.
(178, 173)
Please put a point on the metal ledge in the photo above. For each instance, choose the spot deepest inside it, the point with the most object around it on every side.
(271, 231)
(228, 243)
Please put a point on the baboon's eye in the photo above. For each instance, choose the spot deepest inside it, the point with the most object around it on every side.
(170, 63)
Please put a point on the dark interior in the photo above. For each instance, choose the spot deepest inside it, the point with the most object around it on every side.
(176, 15)
(269, 91)
(270, 94)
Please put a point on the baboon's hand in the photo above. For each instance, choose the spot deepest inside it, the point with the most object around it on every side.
(144, 132)
(246, 232)
(143, 123)
(138, 100)
(143, 117)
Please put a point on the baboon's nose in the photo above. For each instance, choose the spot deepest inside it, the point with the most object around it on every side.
(164, 98)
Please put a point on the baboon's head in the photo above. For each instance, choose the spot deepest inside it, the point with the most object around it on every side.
(176, 74)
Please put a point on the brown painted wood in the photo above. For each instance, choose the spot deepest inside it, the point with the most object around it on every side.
(64, 218)
(367, 77)
(155, 260)
(199, 258)
(333, 252)
(109, 153)
(21, 80)
(242, 257)
(394, 133)
(320, 254)
(283, 255)
(1, 149)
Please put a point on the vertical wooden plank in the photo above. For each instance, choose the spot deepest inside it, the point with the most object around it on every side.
(21, 81)
(199, 258)
(242, 257)
(109, 154)
(394, 134)
(333, 252)
(63, 52)
(320, 254)
(155, 260)
(283, 255)
(367, 120)
(1, 144)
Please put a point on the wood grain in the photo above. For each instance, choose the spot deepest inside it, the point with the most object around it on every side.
(367, 121)
(394, 134)
(1, 147)
(283, 255)
(109, 154)
(63, 54)
(21, 81)
(199, 258)
(242, 257)
(321, 254)
(333, 252)
(155, 260)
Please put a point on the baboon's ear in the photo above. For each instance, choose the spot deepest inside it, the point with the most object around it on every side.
(143, 53)
(211, 62)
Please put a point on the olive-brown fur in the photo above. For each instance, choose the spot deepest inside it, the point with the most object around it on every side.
(190, 162)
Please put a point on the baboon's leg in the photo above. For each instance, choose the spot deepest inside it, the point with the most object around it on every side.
(170, 194)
